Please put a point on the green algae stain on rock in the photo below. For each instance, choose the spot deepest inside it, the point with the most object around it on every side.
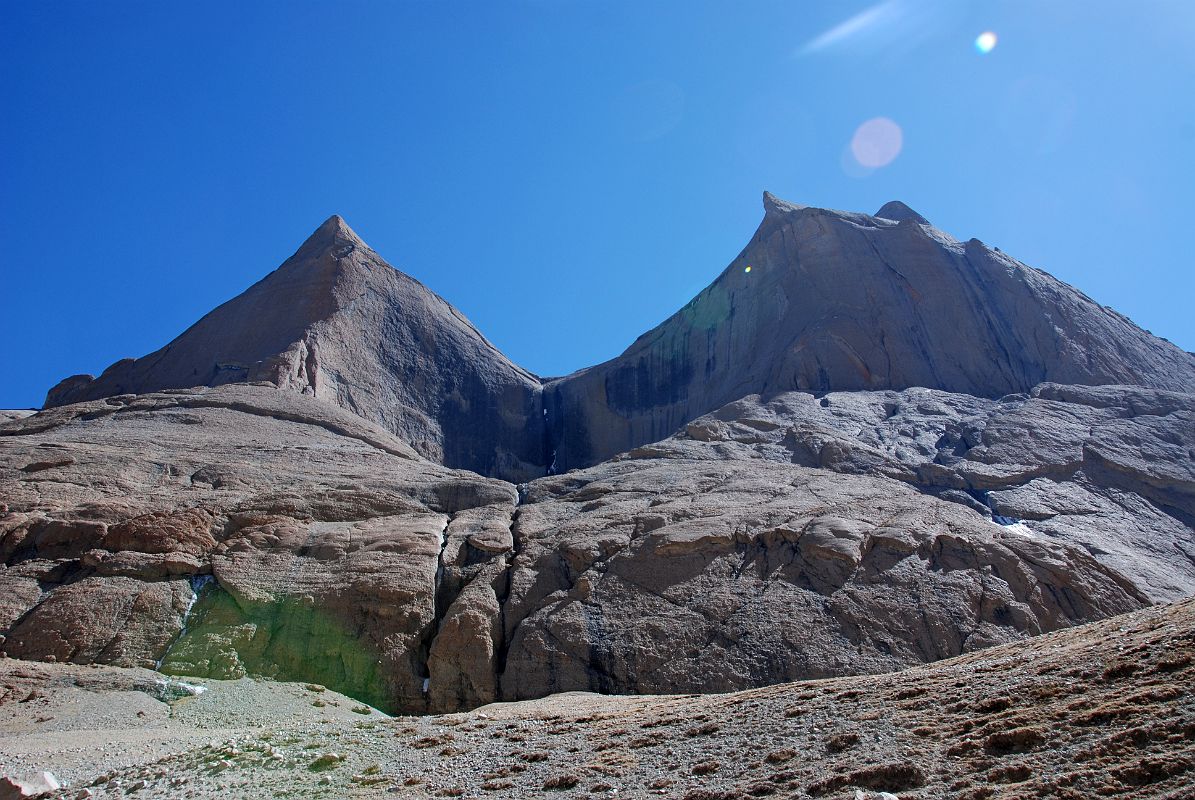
(289, 639)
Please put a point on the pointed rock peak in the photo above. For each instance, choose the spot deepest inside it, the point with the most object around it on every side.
(334, 234)
(899, 212)
(336, 227)
(774, 205)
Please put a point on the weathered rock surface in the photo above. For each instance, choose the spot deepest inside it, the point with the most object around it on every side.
(1110, 469)
(838, 301)
(683, 567)
(244, 530)
(327, 539)
(291, 515)
(337, 322)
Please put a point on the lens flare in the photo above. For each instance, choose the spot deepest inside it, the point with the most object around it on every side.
(985, 42)
(877, 143)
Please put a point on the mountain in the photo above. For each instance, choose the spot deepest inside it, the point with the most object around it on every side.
(824, 301)
(338, 323)
(877, 447)
(818, 301)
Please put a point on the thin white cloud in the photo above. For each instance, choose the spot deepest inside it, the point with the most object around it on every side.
(866, 21)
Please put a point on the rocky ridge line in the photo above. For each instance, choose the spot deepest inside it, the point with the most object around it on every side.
(833, 301)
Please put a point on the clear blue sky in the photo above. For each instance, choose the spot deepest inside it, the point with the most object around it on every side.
(566, 173)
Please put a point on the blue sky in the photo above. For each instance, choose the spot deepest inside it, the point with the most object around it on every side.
(565, 173)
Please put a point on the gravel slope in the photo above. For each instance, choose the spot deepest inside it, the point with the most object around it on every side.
(1104, 710)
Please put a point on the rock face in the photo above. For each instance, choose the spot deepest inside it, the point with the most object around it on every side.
(337, 322)
(679, 571)
(242, 530)
(755, 493)
(837, 301)
(1107, 469)
(237, 530)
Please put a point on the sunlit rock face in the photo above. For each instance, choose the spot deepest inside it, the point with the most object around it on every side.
(838, 301)
(865, 446)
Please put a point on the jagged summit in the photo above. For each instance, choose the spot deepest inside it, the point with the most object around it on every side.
(774, 205)
(843, 301)
(333, 235)
(334, 225)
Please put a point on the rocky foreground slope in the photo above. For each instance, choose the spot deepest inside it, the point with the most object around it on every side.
(1103, 710)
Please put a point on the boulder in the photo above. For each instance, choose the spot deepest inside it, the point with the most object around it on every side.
(33, 785)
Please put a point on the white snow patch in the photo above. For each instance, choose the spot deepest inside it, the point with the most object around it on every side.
(174, 689)
(191, 688)
(197, 583)
(1013, 526)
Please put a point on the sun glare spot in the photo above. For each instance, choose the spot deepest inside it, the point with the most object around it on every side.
(985, 42)
(877, 142)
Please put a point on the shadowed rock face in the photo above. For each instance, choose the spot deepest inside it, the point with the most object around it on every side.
(337, 322)
(838, 301)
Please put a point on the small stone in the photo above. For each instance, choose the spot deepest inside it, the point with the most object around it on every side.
(325, 761)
